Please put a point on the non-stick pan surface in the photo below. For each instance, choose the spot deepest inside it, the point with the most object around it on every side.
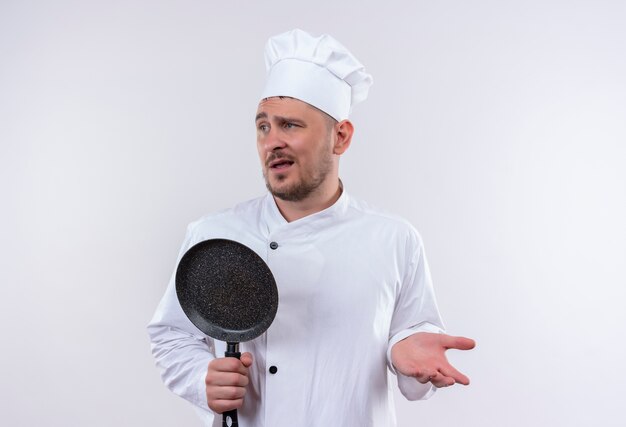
(226, 290)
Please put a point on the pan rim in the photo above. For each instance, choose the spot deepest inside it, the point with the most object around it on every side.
(210, 327)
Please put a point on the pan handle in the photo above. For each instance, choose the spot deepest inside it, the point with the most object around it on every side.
(229, 418)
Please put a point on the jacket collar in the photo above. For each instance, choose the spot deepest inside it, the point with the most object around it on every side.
(275, 221)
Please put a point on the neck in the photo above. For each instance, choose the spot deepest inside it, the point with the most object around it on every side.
(315, 202)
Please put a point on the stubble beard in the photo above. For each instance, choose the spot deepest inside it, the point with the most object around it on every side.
(306, 185)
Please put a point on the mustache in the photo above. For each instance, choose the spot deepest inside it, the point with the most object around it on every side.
(278, 156)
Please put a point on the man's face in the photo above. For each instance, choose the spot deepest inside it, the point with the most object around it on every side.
(295, 147)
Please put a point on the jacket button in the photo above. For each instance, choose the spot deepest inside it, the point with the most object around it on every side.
(273, 245)
(273, 369)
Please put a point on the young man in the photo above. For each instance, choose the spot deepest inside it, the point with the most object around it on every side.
(354, 288)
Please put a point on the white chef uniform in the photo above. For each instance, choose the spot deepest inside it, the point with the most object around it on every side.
(352, 282)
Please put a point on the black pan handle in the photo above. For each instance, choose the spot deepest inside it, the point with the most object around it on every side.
(229, 418)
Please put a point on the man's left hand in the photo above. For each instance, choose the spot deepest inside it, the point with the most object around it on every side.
(422, 356)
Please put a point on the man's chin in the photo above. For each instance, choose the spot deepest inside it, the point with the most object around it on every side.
(287, 193)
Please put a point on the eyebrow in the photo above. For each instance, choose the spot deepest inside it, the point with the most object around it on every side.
(279, 119)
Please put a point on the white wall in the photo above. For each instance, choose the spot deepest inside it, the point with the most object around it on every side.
(497, 128)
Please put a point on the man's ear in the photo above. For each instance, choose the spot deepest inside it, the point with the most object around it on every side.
(343, 134)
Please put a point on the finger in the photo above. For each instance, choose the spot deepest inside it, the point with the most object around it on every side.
(221, 406)
(441, 381)
(228, 364)
(246, 359)
(459, 343)
(225, 393)
(450, 371)
(226, 379)
(424, 375)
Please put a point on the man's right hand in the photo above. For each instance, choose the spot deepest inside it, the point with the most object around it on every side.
(226, 382)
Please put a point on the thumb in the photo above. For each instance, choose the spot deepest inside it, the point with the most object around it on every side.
(246, 359)
(459, 343)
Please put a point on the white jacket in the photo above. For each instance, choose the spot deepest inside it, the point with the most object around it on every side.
(352, 281)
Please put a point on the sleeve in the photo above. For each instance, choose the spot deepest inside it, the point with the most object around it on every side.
(181, 351)
(415, 311)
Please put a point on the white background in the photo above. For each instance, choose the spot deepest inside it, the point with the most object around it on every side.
(497, 128)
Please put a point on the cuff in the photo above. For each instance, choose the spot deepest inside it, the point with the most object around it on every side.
(206, 415)
(412, 389)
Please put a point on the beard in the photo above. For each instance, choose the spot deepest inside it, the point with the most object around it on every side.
(308, 180)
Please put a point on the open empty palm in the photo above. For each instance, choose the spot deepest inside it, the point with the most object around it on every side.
(422, 356)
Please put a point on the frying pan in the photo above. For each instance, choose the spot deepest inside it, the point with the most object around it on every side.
(229, 293)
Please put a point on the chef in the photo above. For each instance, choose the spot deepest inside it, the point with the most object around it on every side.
(355, 294)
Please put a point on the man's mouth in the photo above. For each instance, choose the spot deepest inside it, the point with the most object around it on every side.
(280, 164)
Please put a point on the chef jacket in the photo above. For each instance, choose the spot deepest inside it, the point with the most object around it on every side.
(352, 281)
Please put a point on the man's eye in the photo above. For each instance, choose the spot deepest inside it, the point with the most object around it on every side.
(289, 125)
(263, 128)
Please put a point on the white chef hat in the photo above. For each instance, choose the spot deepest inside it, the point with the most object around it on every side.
(317, 70)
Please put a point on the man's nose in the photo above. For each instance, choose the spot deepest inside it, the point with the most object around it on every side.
(274, 140)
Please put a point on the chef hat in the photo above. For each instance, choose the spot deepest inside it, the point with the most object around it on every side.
(317, 70)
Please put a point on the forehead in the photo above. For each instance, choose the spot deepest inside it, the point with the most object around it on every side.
(286, 107)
